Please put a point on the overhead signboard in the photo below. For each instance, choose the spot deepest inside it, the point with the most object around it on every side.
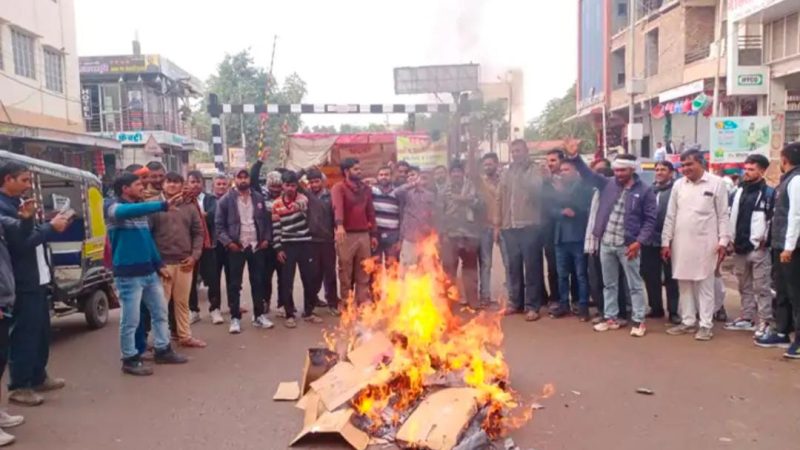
(733, 139)
(741, 9)
(435, 79)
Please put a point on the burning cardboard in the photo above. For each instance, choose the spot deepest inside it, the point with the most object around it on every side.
(318, 362)
(439, 420)
(341, 383)
(336, 423)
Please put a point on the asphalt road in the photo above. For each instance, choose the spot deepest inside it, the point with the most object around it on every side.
(723, 394)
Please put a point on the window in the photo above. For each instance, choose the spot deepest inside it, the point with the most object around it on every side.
(24, 56)
(618, 68)
(2, 66)
(651, 53)
(53, 70)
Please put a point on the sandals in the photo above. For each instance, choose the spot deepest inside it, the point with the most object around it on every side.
(312, 319)
(290, 323)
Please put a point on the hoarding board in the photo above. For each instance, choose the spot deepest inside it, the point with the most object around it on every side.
(422, 152)
(734, 138)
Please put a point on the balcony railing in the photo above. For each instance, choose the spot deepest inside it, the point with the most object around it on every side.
(697, 54)
(135, 121)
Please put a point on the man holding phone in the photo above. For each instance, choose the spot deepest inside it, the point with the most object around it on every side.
(29, 347)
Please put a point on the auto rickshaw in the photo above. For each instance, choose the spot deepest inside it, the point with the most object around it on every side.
(81, 282)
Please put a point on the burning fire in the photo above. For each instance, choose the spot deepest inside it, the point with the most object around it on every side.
(431, 346)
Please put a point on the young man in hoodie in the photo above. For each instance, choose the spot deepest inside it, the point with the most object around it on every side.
(137, 266)
(751, 212)
(323, 249)
(29, 347)
(653, 266)
(19, 228)
(179, 237)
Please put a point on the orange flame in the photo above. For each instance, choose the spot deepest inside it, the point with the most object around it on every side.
(431, 345)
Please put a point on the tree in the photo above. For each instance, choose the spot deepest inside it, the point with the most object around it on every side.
(551, 125)
(239, 80)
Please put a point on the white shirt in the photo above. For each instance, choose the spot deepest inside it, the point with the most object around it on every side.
(793, 222)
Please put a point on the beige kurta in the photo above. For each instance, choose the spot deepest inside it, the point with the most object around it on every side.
(695, 225)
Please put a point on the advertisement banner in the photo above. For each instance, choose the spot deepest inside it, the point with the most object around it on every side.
(237, 158)
(734, 138)
(422, 152)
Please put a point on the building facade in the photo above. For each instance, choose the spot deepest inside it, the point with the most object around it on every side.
(142, 101)
(40, 106)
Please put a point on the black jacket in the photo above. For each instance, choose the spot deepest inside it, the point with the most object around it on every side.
(577, 197)
(19, 229)
(210, 208)
(663, 193)
(228, 225)
(320, 216)
(22, 247)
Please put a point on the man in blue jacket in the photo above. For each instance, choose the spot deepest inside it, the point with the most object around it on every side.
(29, 347)
(626, 218)
(137, 266)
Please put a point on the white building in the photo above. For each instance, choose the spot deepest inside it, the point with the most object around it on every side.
(40, 96)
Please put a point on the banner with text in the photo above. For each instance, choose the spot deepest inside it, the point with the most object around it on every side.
(421, 151)
(734, 138)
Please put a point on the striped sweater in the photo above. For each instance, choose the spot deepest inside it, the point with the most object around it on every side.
(387, 211)
(290, 221)
(133, 250)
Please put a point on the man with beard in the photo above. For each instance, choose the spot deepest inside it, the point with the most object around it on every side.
(273, 184)
(751, 213)
(460, 206)
(553, 161)
(323, 249)
(518, 218)
(245, 229)
(154, 180)
(418, 209)
(488, 192)
(626, 216)
(387, 217)
(401, 175)
(652, 265)
(29, 339)
(695, 238)
(439, 179)
(179, 237)
(356, 230)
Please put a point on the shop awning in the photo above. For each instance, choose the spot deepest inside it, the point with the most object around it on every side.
(57, 136)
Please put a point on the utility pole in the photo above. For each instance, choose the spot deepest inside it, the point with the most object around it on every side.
(720, 33)
(632, 75)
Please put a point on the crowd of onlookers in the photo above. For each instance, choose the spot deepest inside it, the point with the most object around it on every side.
(609, 240)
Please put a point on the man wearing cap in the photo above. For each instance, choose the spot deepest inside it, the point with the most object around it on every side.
(625, 220)
(245, 229)
(271, 192)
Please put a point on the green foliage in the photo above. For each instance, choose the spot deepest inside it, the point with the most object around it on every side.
(551, 125)
(239, 80)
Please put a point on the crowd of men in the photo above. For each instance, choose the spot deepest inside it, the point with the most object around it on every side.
(609, 241)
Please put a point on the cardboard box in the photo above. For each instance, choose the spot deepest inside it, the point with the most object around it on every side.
(337, 422)
(439, 420)
(287, 391)
(318, 362)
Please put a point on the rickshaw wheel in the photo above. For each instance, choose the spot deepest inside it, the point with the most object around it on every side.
(96, 309)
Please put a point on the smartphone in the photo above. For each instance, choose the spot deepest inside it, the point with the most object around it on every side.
(69, 213)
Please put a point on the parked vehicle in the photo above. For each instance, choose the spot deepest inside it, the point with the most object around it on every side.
(81, 280)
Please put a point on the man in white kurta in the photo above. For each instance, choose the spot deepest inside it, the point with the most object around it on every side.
(696, 232)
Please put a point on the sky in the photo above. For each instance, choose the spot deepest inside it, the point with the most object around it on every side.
(346, 50)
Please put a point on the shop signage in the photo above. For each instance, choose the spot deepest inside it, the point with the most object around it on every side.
(740, 9)
(733, 139)
(685, 90)
(86, 104)
(102, 65)
(422, 152)
(141, 137)
(152, 147)
(750, 80)
(237, 157)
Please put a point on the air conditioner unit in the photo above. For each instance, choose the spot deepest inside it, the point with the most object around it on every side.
(635, 86)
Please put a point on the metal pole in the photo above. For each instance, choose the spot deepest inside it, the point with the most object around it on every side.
(631, 75)
(715, 111)
(605, 133)
(215, 110)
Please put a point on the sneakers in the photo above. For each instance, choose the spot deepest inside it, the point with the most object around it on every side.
(772, 340)
(135, 366)
(583, 314)
(703, 334)
(263, 322)
(290, 323)
(681, 329)
(559, 312)
(50, 384)
(6, 438)
(721, 315)
(216, 317)
(280, 313)
(638, 330)
(25, 397)
(194, 317)
(235, 327)
(9, 421)
(793, 352)
(740, 324)
(762, 329)
(168, 356)
(531, 316)
(312, 319)
(610, 324)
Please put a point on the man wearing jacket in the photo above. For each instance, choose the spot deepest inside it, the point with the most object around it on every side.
(271, 192)
(653, 266)
(20, 228)
(626, 217)
(137, 266)
(179, 237)
(29, 346)
(518, 217)
(751, 213)
(206, 268)
(245, 229)
(323, 248)
(569, 212)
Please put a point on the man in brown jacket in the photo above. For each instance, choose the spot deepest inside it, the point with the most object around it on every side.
(178, 234)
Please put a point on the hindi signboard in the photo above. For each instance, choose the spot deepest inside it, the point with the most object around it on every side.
(421, 151)
(734, 138)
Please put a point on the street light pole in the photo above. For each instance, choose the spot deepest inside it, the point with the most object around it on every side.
(631, 77)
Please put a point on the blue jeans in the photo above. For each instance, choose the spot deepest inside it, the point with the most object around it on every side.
(485, 263)
(524, 267)
(611, 258)
(571, 259)
(133, 291)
